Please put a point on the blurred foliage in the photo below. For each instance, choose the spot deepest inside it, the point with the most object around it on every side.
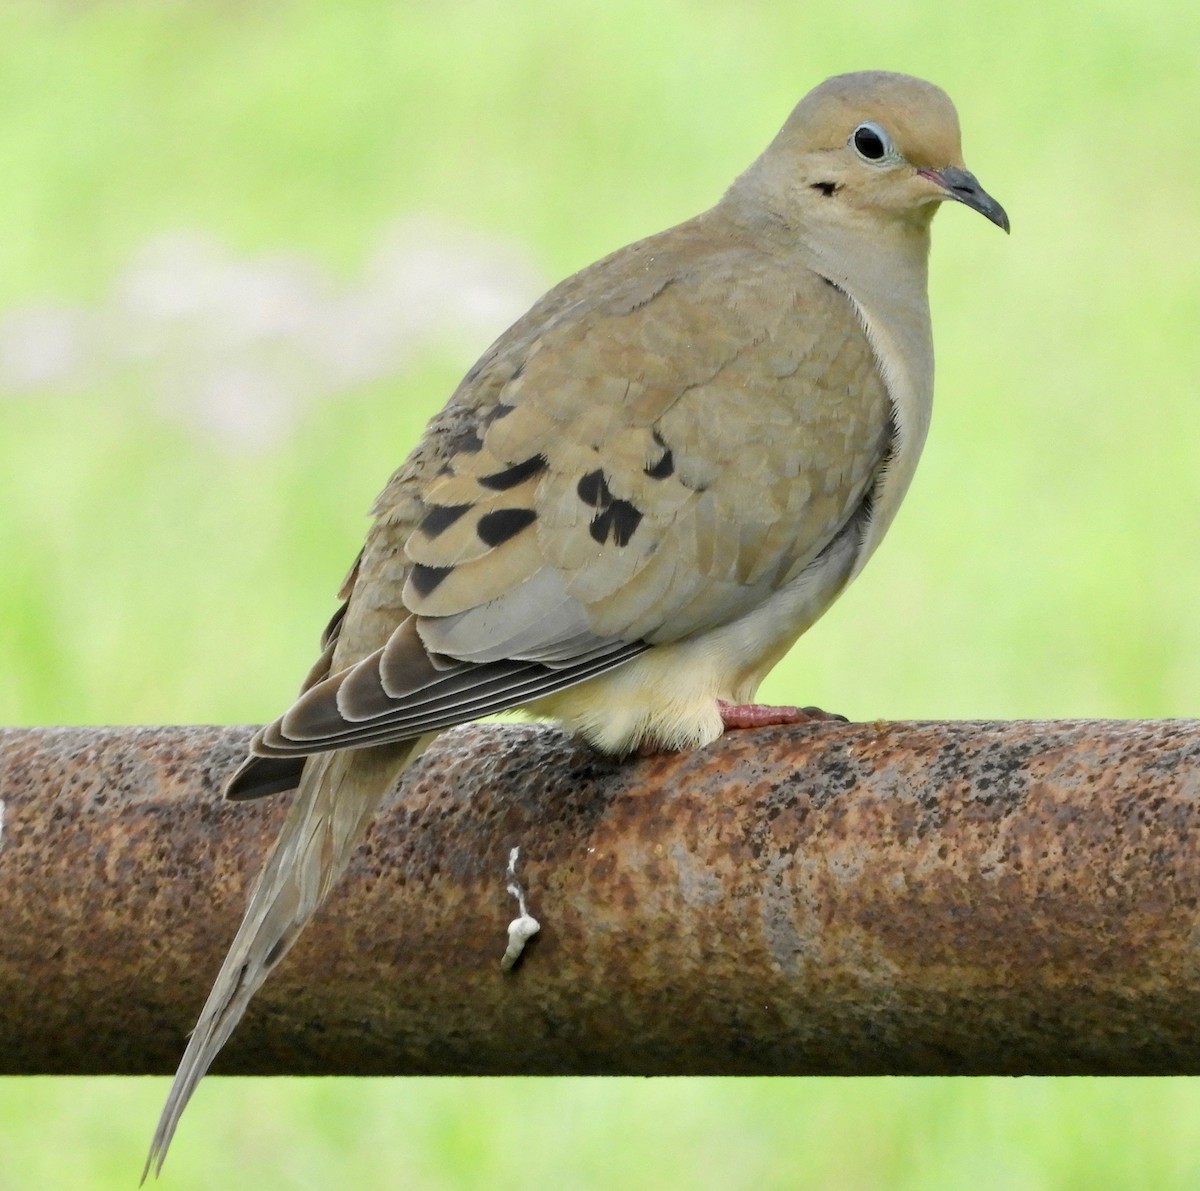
(635, 1135)
(1044, 564)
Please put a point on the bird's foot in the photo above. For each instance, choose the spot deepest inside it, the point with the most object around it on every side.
(759, 715)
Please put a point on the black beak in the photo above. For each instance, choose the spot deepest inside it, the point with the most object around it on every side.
(964, 186)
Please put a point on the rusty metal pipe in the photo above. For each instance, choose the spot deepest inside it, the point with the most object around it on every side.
(909, 898)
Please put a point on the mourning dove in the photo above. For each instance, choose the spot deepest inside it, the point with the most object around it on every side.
(645, 490)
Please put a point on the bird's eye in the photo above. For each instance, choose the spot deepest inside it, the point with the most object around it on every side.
(871, 143)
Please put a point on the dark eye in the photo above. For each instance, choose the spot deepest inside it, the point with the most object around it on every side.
(871, 143)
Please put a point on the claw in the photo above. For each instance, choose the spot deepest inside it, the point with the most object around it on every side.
(759, 715)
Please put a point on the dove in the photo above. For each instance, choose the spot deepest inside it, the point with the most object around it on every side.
(636, 500)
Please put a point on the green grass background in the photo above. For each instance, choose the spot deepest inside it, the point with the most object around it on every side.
(1045, 563)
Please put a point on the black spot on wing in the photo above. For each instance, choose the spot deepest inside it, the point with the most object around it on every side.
(619, 521)
(466, 442)
(510, 477)
(666, 464)
(440, 518)
(498, 526)
(593, 490)
(426, 579)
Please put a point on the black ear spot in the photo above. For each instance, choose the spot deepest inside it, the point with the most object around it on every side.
(826, 188)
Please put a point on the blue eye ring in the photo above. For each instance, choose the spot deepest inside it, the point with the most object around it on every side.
(873, 144)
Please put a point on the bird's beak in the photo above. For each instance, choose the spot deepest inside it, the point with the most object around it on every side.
(962, 185)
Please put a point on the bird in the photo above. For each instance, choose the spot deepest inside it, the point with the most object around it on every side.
(636, 500)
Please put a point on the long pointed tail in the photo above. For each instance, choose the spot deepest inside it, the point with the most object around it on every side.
(336, 801)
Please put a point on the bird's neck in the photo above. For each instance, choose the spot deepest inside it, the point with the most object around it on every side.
(883, 265)
(883, 268)
(886, 277)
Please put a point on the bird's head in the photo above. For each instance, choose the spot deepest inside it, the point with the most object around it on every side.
(869, 146)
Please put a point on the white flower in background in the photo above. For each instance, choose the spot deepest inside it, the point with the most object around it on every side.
(43, 345)
(239, 346)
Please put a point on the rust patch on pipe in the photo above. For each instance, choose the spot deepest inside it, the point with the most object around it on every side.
(835, 898)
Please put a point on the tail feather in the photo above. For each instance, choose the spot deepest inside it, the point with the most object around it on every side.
(337, 799)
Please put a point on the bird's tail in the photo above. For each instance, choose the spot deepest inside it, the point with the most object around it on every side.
(338, 795)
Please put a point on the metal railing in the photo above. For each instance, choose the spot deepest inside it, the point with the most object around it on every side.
(861, 898)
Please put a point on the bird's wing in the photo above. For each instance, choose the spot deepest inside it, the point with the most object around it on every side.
(617, 477)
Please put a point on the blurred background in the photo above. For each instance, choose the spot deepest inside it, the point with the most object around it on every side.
(247, 249)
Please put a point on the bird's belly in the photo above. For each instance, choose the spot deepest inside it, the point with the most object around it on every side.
(667, 696)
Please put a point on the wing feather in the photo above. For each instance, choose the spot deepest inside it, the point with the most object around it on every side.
(316, 722)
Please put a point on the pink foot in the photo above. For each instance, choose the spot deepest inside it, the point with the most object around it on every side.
(759, 715)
